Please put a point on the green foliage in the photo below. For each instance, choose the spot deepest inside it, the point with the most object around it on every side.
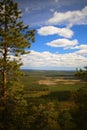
(15, 37)
(68, 96)
(45, 117)
(66, 121)
(60, 108)
(82, 74)
(80, 113)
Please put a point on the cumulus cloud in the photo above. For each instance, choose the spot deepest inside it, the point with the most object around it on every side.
(65, 43)
(51, 30)
(81, 49)
(82, 46)
(82, 52)
(77, 17)
(48, 60)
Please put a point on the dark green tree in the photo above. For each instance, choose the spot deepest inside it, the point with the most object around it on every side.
(79, 114)
(82, 73)
(15, 37)
(66, 121)
(45, 117)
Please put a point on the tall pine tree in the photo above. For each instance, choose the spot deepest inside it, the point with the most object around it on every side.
(14, 39)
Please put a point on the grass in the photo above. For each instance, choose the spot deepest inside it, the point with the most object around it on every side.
(45, 86)
(41, 82)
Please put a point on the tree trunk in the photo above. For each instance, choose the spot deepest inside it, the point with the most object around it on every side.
(4, 87)
(4, 76)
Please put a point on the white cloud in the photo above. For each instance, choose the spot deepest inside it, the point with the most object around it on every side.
(52, 10)
(77, 17)
(56, 1)
(65, 43)
(47, 60)
(82, 52)
(81, 49)
(51, 30)
(82, 46)
(27, 10)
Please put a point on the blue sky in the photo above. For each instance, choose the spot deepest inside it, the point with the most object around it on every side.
(61, 33)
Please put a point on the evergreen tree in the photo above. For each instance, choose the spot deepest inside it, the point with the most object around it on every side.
(79, 113)
(82, 73)
(14, 39)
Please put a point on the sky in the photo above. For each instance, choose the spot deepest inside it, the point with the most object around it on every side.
(61, 33)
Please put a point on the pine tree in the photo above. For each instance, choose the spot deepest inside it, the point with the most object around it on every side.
(14, 39)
